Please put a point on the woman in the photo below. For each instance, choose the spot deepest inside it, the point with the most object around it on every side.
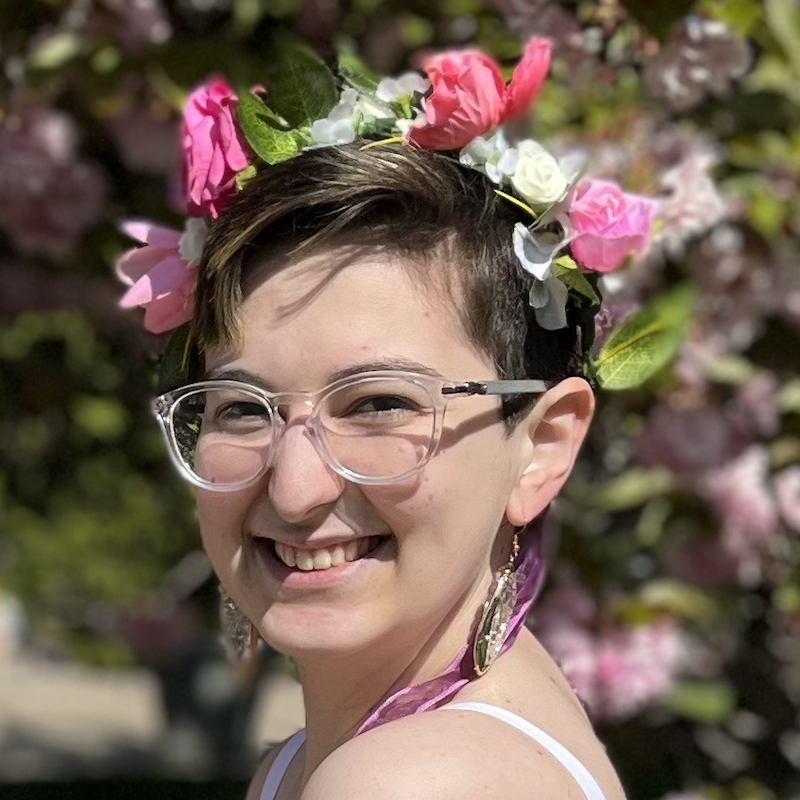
(389, 403)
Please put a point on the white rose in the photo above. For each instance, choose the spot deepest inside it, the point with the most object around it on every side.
(538, 178)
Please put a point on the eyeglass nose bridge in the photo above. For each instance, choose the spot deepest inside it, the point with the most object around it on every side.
(312, 428)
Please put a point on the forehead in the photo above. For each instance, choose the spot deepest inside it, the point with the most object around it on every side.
(305, 318)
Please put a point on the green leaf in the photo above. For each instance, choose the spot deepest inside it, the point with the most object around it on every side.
(739, 15)
(789, 397)
(377, 129)
(646, 342)
(680, 599)
(565, 269)
(245, 176)
(263, 130)
(629, 490)
(658, 16)
(711, 703)
(354, 71)
(57, 51)
(783, 20)
(180, 364)
(303, 89)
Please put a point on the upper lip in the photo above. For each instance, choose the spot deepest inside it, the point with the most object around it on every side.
(317, 543)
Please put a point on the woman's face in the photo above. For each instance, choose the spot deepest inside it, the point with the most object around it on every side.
(301, 325)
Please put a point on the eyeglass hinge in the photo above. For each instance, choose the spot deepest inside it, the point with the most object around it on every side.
(468, 388)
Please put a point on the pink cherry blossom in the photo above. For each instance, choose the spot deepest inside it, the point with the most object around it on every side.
(616, 669)
(214, 148)
(159, 278)
(469, 97)
(49, 195)
(787, 492)
(740, 497)
(609, 224)
(693, 204)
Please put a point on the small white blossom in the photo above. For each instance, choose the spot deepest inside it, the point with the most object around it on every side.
(338, 126)
(536, 251)
(391, 90)
(492, 156)
(190, 245)
(548, 298)
(538, 178)
(548, 295)
(404, 126)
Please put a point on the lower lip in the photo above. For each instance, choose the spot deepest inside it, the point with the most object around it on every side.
(293, 578)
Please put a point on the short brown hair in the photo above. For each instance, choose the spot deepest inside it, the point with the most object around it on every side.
(420, 204)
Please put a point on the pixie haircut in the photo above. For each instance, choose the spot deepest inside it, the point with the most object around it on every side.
(445, 221)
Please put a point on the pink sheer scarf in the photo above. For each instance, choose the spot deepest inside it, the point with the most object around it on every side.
(421, 697)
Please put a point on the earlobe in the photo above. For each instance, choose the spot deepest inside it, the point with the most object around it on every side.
(553, 433)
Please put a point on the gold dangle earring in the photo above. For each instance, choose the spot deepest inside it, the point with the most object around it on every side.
(241, 636)
(497, 613)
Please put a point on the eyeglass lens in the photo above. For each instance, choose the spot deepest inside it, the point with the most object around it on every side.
(373, 428)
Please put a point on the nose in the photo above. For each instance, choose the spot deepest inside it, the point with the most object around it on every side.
(301, 484)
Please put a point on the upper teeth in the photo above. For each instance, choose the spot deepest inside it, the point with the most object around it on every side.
(324, 557)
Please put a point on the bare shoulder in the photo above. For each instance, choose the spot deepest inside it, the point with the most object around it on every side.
(441, 755)
(257, 782)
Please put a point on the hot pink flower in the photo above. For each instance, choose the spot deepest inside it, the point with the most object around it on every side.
(609, 224)
(740, 496)
(214, 148)
(469, 97)
(160, 279)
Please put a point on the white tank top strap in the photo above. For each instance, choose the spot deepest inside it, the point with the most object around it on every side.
(575, 768)
(279, 766)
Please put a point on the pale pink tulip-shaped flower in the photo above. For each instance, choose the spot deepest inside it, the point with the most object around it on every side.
(160, 279)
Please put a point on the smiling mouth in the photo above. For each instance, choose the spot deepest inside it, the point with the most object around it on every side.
(320, 559)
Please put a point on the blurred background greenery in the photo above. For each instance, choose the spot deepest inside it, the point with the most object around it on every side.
(680, 528)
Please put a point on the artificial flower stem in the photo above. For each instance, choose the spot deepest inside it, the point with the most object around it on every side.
(392, 140)
(512, 199)
(186, 352)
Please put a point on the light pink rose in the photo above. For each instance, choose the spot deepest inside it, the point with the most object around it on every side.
(214, 148)
(469, 97)
(160, 280)
(609, 224)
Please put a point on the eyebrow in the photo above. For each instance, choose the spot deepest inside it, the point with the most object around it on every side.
(391, 364)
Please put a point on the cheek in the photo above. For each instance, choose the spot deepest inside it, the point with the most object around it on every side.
(221, 517)
(462, 492)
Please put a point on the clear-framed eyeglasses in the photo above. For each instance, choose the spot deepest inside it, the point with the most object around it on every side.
(372, 428)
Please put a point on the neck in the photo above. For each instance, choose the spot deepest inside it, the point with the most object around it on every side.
(340, 692)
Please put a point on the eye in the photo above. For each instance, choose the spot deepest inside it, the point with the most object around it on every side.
(382, 404)
(241, 410)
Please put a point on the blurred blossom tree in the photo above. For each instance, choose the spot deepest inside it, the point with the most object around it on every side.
(675, 601)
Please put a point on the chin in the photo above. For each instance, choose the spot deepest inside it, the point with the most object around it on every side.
(306, 630)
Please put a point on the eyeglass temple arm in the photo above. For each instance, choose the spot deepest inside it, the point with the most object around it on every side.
(496, 387)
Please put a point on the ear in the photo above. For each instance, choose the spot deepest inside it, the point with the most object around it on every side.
(551, 436)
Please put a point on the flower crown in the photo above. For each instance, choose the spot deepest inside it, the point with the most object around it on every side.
(579, 228)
